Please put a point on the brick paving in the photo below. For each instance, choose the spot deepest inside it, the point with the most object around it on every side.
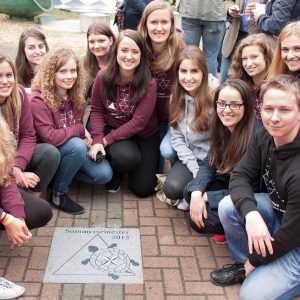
(176, 260)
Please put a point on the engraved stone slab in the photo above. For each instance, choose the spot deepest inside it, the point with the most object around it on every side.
(95, 255)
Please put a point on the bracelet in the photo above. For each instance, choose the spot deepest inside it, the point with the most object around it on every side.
(9, 220)
(3, 218)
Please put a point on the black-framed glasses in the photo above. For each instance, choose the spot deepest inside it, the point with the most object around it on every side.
(233, 106)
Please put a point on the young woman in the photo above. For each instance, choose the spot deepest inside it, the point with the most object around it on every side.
(232, 126)
(100, 39)
(123, 118)
(18, 213)
(287, 54)
(163, 44)
(35, 164)
(250, 63)
(190, 112)
(57, 108)
(32, 48)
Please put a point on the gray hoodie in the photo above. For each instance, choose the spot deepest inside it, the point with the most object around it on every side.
(189, 145)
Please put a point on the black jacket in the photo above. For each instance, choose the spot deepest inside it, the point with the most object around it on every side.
(283, 163)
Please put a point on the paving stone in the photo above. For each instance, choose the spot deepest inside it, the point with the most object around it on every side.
(93, 289)
(39, 258)
(98, 218)
(165, 235)
(130, 204)
(173, 281)
(134, 289)
(16, 268)
(130, 218)
(152, 275)
(113, 292)
(147, 230)
(34, 275)
(154, 290)
(72, 291)
(51, 291)
(189, 268)
(205, 257)
(114, 223)
(202, 288)
(114, 210)
(81, 223)
(160, 262)
(176, 251)
(155, 221)
(149, 245)
(31, 289)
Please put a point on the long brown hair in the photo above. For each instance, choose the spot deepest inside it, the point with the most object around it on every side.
(7, 152)
(44, 80)
(203, 99)
(278, 66)
(25, 72)
(142, 75)
(227, 148)
(174, 43)
(11, 108)
(90, 62)
(236, 70)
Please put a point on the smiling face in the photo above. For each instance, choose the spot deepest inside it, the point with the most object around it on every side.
(34, 49)
(190, 76)
(280, 115)
(253, 62)
(290, 52)
(65, 77)
(159, 25)
(7, 81)
(99, 44)
(230, 117)
(128, 56)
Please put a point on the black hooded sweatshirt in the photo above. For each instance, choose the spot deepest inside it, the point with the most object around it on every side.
(278, 170)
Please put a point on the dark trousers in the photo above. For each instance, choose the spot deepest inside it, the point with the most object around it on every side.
(139, 158)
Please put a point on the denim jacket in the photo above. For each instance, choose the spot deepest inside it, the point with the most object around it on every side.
(278, 14)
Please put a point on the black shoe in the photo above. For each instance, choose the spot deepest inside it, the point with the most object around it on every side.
(228, 275)
(114, 185)
(67, 205)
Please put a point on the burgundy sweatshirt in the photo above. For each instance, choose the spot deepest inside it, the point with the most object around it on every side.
(24, 133)
(164, 88)
(126, 118)
(10, 199)
(56, 127)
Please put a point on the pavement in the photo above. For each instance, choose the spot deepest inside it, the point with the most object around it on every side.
(176, 260)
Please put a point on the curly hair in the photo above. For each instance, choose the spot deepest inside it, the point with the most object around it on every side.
(236, 70)
(7, 152)
(203, 98)
(25, 72)
(44, 80)
(278, 66)
(173, 44)
(11, 108)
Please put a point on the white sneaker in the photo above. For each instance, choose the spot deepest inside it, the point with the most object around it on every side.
(9, 290)
(183, 205)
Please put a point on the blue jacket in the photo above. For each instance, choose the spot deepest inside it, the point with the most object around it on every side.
(136, 6)
(278, 14)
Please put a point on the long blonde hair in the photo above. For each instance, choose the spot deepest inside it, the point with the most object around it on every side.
(7, 152)
(278, 66)
(202, 100)
(11, 108)
(45, 80)
(174, 43)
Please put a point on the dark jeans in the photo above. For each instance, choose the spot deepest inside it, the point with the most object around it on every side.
(139, 157)
(37, 211)
(178, 177)
(44, 163)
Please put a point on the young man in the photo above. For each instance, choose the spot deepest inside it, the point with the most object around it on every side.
(263, 230)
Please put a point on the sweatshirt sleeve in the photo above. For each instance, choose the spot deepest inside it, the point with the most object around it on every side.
(97, 116)
(26, 134)
(184, 153)
(140, 118)
(281, 12)
(46, 129)
(10, 199)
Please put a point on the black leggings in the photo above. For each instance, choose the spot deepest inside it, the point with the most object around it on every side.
(139, 157)
(44, 163)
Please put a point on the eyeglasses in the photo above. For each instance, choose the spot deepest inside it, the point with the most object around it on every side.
(232, 106)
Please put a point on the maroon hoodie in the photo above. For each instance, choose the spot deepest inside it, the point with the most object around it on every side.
(56, 127)
(126, 118)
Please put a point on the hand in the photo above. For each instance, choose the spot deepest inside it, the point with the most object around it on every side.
(95, 149)
(88, 138)
(249, 11)
(25, 180)
(198, 209)
(260, 9)
(32, 179)
(234, 11)
(248, 268)
(194, 172)
(258, 234)
(17, 233)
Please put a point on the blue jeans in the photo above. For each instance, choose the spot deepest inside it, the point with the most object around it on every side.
(225, 66)
(166, 149)
(279, 279)
(212, 33)
(75, 162)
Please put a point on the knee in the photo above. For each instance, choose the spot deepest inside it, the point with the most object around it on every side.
(142, 191)
(126, 162)
(51, 154)
(77, 148)
(104, 173)
(167, 152)
(225, 209)
(172, 189)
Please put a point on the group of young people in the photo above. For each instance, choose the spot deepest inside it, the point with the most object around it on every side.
(134, 100)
